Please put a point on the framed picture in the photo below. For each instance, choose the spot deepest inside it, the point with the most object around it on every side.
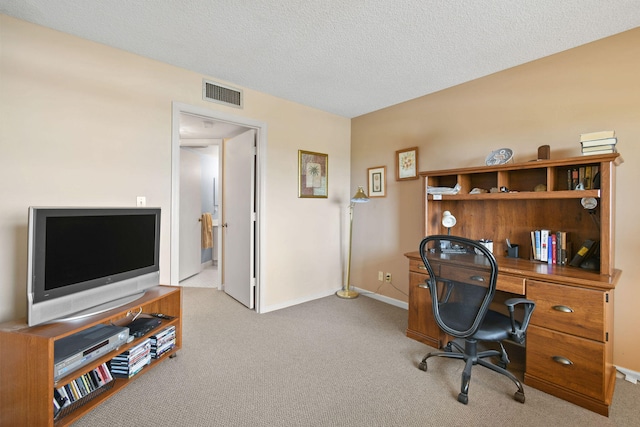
(407, 164)
(377, 181)
(313, 174)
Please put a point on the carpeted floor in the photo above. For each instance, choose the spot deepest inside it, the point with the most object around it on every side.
(329, 362)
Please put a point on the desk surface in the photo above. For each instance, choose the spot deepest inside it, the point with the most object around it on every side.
(565, 275)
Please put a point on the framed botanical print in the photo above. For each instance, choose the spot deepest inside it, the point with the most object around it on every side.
(377, 181)
(407, 164)
(313, 174)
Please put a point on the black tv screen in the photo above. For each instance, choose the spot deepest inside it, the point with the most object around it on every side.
(83, 248)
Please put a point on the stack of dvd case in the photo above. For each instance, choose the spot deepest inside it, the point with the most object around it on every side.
(131, 361)
(163, 341)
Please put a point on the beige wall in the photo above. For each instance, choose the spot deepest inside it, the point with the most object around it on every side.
(548, 101)
(82, 124)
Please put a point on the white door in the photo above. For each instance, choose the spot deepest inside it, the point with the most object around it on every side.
(190, 211)
(239, 217)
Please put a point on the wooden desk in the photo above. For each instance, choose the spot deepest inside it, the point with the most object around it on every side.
(569, 349)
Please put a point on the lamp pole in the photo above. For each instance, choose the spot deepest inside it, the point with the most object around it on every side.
(359, 197)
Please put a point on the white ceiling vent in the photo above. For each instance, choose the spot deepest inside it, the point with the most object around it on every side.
(215, 92)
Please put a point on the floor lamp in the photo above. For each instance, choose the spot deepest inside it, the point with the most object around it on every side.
(359, 197)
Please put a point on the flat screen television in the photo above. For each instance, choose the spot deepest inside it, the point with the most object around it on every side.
(83, 261)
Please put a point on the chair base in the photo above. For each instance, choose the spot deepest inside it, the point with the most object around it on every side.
(471, 356)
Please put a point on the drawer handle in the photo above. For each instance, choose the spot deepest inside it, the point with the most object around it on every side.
(562, 308)
(422, 267)
(562, 360)
(477, 278)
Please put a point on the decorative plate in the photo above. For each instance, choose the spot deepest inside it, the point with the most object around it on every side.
(499, 157)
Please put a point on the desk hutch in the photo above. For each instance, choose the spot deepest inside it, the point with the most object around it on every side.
(569, 347)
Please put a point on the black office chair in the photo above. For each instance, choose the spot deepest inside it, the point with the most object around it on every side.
(462, 280)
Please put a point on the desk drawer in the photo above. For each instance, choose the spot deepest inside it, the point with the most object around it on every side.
(571, 362)
(511, 284)
(577, 311)
(476, 277)
(417, 266)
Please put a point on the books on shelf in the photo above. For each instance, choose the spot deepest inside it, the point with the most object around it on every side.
(599, 150)
(599, 143)
(551, 247)
(585, 175)
(602, 142)
(80, 387)
(593, 136)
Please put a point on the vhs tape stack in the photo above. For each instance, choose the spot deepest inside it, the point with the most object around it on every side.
(163, 341)
(131, 361)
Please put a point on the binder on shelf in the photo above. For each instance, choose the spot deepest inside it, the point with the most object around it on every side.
(586, 249)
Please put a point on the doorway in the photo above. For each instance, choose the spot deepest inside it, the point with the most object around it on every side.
(227, 127)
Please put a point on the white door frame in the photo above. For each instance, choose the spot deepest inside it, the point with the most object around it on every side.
(261, 135)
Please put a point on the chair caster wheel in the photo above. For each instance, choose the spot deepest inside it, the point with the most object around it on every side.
(519, 396)
(423, 366)
(463, 398)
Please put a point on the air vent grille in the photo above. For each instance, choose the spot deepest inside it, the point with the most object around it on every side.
(215, 92)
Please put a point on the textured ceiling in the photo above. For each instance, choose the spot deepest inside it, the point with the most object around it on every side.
(347, 57)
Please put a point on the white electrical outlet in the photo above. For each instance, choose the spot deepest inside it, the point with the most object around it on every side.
(380, 276)
(141, 201)
(387, 277)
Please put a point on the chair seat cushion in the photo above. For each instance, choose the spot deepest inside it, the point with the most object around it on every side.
(495, 327)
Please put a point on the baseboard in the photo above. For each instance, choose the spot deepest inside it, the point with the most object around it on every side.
(629, 375)
(387, 300)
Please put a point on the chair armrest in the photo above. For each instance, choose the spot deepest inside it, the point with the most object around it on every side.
(518, 334)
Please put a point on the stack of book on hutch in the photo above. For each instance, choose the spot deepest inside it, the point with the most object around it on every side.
(603, 142)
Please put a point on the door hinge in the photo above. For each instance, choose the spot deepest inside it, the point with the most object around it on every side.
(254, 217)
(606, 299)
(606, 336)
(253, 282)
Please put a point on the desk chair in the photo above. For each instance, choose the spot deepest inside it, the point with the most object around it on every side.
(462, 281)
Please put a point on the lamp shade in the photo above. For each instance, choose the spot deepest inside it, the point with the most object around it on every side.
(448, 220)
(360, 196)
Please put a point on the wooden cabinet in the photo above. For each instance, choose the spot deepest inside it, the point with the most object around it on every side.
(421, 327)
(570, 340)
(26, 360)
(570, 343)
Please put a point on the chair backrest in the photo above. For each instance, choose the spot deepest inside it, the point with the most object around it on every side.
(462, 280)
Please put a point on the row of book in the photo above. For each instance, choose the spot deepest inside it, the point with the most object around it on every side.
(583, 178)
(602, 142)
(550, 247)
(80, 387)
(125, 365)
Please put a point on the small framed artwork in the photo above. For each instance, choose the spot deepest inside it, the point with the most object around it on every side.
(313, 174)
(377, 181)
(407, 164)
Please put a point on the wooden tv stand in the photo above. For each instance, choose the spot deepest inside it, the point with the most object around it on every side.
(26, 359)
(569, 348)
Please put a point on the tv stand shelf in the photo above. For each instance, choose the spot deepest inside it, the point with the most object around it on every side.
(26, 359)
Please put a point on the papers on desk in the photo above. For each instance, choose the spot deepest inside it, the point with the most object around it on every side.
(443, 190)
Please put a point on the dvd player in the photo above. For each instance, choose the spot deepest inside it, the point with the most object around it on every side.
(75, 351)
